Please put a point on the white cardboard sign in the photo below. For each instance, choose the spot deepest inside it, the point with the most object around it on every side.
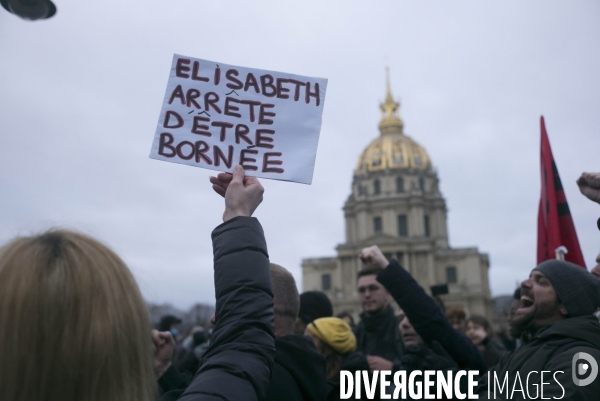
(216, 115)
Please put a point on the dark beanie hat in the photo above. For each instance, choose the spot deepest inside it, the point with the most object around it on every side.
(314, 305)
(577, 289)
(167, 321)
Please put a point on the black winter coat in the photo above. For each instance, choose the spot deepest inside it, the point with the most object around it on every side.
(352, 362)
(378, 334)
(299, 371)
(550, 349)
(237, 365)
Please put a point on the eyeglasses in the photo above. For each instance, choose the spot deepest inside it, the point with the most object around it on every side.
(370, 288)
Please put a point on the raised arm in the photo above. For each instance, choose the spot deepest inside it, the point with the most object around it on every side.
(237, 365)
(423, 312)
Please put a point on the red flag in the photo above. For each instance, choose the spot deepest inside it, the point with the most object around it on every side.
(555, 226)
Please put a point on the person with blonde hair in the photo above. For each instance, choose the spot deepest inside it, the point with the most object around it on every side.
(334, 339)
(74, 325)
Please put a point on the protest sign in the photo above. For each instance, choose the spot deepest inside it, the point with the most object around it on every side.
(216, 115)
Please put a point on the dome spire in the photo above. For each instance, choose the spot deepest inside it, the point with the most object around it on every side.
(391, 122)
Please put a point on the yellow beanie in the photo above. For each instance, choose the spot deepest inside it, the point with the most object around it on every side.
(334, 332)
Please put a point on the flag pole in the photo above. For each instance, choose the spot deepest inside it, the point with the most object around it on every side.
(560, 252)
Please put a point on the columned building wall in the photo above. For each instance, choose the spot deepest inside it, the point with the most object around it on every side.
(396, 203)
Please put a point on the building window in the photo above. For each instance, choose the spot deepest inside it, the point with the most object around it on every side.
(426, 224)
(361, 190)
(451, 277)
(376, 160)
(326, 282)
(377, 226)
(399, 185)
(402, 226)
(376, 187)
(422, 184)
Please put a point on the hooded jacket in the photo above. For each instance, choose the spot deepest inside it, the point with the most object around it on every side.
(299, 371)
(539, 353)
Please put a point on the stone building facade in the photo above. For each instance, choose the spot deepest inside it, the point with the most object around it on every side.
(396, 203)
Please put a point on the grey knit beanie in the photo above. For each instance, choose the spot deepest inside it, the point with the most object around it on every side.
(577, 289)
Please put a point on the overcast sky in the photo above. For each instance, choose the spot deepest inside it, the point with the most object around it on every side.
(80, 96)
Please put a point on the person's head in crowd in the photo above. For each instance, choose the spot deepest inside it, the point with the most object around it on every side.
(478, 329)
(456, 316)
(516, 301)
(195, 333)
(372, 294)
(79, 328)
(596, 269)
(170, 323)
(555, 290)
(210, 327)
(199, 338)
(313, 305)
(286, 301)
(347, 317)
(333, 338)
(408, 332)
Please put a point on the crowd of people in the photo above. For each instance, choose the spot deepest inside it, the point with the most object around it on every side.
(74, 326)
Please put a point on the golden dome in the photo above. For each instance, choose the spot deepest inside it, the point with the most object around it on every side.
(393, 149)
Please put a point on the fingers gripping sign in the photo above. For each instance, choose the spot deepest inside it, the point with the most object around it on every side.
(242, 194)
(373, 257)
(221, 182)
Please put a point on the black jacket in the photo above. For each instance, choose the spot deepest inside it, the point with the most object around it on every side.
(378, 334)
(492, 351)
(542, 352)
(299, 371)
(237, 365)
(354, 361)
(427, 318)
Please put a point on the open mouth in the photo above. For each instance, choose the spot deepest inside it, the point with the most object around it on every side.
(526, 302)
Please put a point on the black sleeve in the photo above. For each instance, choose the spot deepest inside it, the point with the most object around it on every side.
(237, 365)
(427, 318)
(172, 379)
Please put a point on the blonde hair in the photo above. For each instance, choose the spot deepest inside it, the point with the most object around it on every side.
(73, 323)
(333, 360)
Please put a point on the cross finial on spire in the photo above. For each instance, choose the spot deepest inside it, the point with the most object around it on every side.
(389, 108)
(387, 82)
